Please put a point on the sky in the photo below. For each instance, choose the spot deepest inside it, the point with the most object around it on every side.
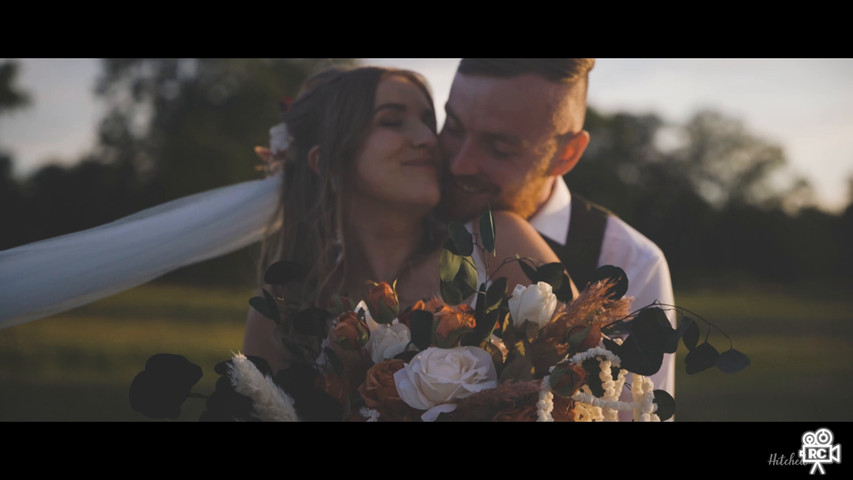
(803, 105)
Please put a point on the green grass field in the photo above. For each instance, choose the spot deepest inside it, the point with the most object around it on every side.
(78, 366)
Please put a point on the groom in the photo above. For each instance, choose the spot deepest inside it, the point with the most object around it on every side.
(514, 127)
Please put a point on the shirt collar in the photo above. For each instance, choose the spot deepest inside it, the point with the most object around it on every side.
(552, 220)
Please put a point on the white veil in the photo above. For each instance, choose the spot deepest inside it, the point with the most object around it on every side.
(51, 276)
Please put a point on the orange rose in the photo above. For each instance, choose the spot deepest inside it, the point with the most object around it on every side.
(452, 323)
(380, 392)
(566, 379)
(583, 337)
(382, 303)
(336, 386)
(351, 332)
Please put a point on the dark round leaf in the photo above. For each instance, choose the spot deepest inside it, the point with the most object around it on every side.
(691, 333)
(650, 329)
(283, 272)
(266, 306)
(639, 360)
(552, 274)
(612, 272)
(160, 390)
(665, 404)
(420, 325)
(732, 361)
(565, 293)
(529, 271)
(701, 358)
(312, 321)
(671, 344)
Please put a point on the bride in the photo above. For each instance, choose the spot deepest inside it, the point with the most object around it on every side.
(361, 179)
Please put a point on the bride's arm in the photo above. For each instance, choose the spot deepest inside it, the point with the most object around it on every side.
(260, 340)
(515, 236)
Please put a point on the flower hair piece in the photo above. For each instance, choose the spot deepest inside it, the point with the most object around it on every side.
(274, 156)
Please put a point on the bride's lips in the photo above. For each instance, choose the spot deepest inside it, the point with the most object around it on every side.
(425, 161)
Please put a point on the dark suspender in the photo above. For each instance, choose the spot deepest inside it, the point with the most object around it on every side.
(583, 243)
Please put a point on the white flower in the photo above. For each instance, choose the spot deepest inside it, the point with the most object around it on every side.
(535, 303)
(437, 377)
(279, 138)
(388, 341)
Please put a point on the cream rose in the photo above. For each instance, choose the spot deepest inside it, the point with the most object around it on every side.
(535, 303)
(388, 341)
(437, 377)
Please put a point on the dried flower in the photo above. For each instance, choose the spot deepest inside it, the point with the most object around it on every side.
(350, 332)
(382, 303)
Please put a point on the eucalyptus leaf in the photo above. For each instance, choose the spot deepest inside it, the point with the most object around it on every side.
(450, 293)
(461, 237)
(487, 230)
(466, 279)
(449, 265)
(665, 405)
(701, 358)
(496, 294)
(651, 328)
(732, 361)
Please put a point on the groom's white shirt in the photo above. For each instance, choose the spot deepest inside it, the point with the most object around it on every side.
(626, 248)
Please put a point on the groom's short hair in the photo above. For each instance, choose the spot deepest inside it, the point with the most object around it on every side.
(560, 70)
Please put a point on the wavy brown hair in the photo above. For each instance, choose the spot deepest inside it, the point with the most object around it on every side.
(333, 112)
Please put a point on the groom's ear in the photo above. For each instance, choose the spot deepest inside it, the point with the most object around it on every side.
(314, 159)
(569, 153)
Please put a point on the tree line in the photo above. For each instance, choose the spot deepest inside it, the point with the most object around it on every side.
(174, 127)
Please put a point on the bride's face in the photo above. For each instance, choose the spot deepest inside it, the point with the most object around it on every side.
(398, 162)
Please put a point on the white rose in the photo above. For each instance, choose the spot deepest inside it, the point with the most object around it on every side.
(535, 303)
(437, 377)
(388, 341)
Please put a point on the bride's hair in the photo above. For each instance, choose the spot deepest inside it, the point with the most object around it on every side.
(333, 112)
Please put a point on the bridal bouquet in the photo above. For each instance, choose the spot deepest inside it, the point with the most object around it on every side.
(481, 352)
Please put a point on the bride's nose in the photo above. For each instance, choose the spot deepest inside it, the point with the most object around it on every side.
(425, 137)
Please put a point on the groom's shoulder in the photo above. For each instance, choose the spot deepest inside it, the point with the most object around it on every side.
(625, 245)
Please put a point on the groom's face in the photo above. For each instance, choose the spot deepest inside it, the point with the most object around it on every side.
(500, 139)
